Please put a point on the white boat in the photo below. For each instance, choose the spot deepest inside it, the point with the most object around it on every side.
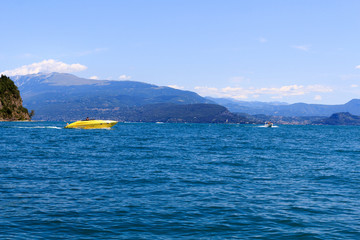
(268, 124)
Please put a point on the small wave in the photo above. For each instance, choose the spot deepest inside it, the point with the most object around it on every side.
(262, 126)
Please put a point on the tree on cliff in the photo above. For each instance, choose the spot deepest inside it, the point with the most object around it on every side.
(10, 101)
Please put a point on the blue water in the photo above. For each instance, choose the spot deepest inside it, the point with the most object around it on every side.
(179, 181)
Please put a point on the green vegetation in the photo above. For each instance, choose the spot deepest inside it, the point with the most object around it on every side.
(190, 113)
(32, 113)
(10, 101)
(8, 88)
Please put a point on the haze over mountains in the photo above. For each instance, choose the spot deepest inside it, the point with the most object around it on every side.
(288, 110)
(59, 96)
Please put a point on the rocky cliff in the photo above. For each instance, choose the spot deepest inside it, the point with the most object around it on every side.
(11, 108)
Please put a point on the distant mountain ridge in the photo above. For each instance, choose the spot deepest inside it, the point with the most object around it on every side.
(289, 110)
(186, 113)
(57, 96)
(57, 87)
(343, 118)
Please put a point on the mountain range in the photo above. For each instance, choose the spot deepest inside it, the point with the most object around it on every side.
(343, 118)
(60, 88)
(60, 96)
(288, 110)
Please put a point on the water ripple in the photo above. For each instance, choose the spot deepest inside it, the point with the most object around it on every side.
(175, 181)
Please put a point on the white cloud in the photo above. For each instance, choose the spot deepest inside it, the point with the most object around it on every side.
(305, 48)
(47, 66)
(358, 66)
(354, 85)
(94, 77)
(318, 98)
(277, 93)
(124, 77)
(318, 88)
(228, 92)
(176, 87)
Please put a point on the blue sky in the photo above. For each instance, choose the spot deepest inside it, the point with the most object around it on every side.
(259, 50)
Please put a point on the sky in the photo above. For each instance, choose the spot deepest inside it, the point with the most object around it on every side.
(250, 50)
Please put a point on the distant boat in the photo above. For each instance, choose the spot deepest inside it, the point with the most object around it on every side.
(92, 124)
(268, 124)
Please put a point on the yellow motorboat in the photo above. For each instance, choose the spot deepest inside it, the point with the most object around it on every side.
(92, 124)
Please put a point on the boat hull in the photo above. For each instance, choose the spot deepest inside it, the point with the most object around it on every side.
(268, 124)
(92, 124)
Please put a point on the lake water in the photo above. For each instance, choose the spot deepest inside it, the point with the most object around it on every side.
(179, 181)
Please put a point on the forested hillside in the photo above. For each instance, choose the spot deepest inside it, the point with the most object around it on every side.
(10, 101)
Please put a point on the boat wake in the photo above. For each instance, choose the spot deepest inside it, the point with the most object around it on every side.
(49, 127)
